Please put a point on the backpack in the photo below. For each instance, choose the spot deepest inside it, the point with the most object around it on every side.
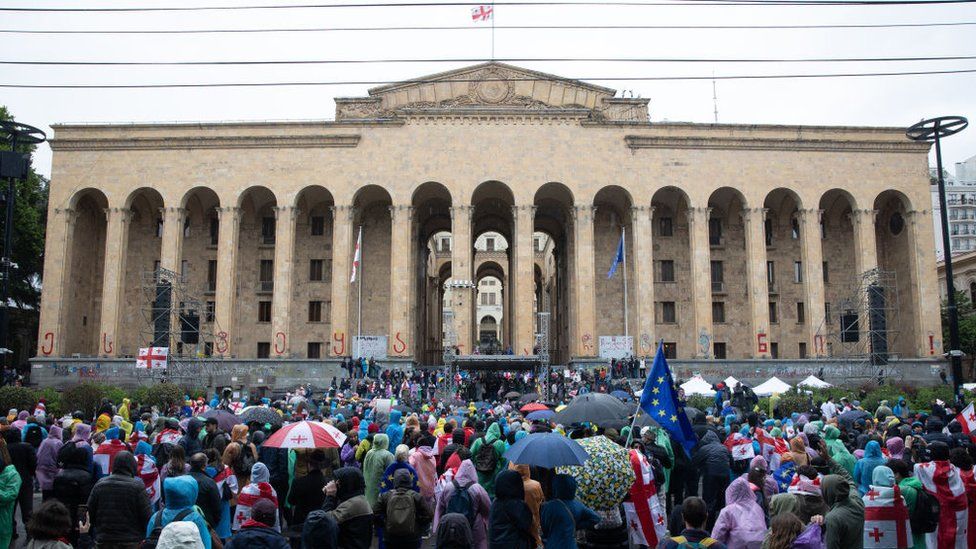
(157, 528)
(401, 514)
(925, 518)
(461, 503)
(161, 452)
(685, 544)
(484, 460)
(243, 462)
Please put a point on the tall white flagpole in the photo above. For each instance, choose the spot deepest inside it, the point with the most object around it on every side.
(623, 241)
(359, 320)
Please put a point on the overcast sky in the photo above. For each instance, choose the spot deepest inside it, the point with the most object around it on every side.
(874, 101)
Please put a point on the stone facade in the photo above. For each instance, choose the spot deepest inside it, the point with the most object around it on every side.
(725, 226)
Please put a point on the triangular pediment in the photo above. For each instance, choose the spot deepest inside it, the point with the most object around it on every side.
(492, 86)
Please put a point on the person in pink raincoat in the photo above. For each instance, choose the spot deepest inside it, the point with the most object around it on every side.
(467, 477)
(423, 460)
(741, 524)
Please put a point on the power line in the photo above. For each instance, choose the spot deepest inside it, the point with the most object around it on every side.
(481, 60)
(434, 81)
(499, 27)
(675, 3)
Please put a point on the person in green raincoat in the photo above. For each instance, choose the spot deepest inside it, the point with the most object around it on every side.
(837, 449)
(375, 464)
(494, 438)
(9, 488)
(910, 487)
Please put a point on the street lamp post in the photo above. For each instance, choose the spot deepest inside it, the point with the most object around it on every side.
(934, 129)
(14, 167)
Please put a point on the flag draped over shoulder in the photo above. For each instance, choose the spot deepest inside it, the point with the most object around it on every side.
(248, 497)
(149, 474)
(105, 454)
(942, 479)
(646, 520)
(618, 258)
(886, 522)
(660, 401)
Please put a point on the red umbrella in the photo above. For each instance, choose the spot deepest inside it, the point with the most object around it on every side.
(306, 434)
(533, 407)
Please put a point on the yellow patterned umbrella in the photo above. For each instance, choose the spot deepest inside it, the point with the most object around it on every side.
(605, 479)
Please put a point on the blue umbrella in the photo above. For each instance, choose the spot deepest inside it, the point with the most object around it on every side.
(547, 450)
(540, 414)
(622, 395)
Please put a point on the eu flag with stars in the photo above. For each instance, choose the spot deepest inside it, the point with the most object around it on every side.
(660, 401)
(617, 259)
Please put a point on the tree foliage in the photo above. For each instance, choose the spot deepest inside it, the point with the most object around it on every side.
(967, 324)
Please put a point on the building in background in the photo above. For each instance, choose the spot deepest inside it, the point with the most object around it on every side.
(961, 203)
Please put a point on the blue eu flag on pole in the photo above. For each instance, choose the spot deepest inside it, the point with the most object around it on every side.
(660, 401)
(617, 259)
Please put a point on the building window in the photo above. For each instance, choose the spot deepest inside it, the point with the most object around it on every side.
(214, 229)
(827, 313)
(315, 311)
(212, 275)
(537, 244)
(718, 312)
(666, 268)
(490, 244)
(668, 312)
(264, 349)
(208, 348)
(186, 227)
(802, 347)
(484, 299)
(768, 226)
(773, 313)
(314, 350)
(798, 272)
(801, 315)
(795, 228)
(264, 311)
(266, 275)
(445, 244)
(318, 225)
(159, 227)
(670, 350)
(315, 270)
(665, 227)
(718, 276)
(184, 266)
(268, 230)
(211, 311)
(491, 298)
(826, 273)
(773, 349)
(156, 266)
(714, 231)
(718, 350)
(771, 275)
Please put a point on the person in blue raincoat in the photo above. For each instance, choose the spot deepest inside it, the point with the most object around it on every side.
(864, 468)
(181, 494)
(563, 515)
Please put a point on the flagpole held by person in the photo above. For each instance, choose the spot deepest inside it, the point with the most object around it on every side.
(660, 401)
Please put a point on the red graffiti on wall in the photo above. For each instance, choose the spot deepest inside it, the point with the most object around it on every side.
(339, 337)
(587, 342)
(399, 345)
(48, 347)
(818, 344)
(108, 347)
(761, 342)
(280, 344)
(931, 344)
(221, 344)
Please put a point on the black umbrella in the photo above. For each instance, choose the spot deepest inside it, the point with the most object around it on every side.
(592, 407)
(692, 413)
(848, 418)
(512, 395)
(529, 397)
(346, 412)
(225, 420)
(403, 408)
(260, 414)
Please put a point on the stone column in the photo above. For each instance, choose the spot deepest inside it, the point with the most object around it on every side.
(585, 329)
(171, 252)
(811, 247)
(342, 249)
(925, 305)
(57, 259)
(400, 342)
(754, 220)
(865, 240)
(284, 276)
(463, 291)
(701, 280)
(226, 295)
(113, 279)
(524, 265)
(643, 259)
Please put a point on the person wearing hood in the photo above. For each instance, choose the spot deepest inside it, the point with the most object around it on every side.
(257, 532)
(933, 432)
(345, 503)
(844, 522)
(320, 531)
(741, 524)
(403, 512)
(510, 522)
(180, 535)
(105, 453)
(713, 461)
(909, 486)
(118, 507)
(486, 476)
(23, 456)
(563, 515)
(73, 483)
(180, 494)
(882, 482)
(533, 497)
(467, 479)
(838, 451)
(191, 440)
(9, 489)
(864, 468)
(80, 434)
(375, 464)
(259, 488)
(424, 462)
(394, 430)
(901, 409)
(47, 461)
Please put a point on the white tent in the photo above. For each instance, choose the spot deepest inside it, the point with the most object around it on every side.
(814, 381)
(731, 382)
(770, 386)
(697, 386)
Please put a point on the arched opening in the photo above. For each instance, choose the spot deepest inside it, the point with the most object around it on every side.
(553, 244)
(673, 315)
(432, 243)
(840, 275)
(731, 329)
(198, 257)
(492, 283)
(83, 274)
(372, 214)
(142, 255)
(972, 292)
(312, 275)
(895, 311)
(489, 342)
(493, 218)
(784, 274)
(255, 272)
(616, 298)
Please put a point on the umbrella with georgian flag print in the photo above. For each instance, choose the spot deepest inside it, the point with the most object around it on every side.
(306, 434)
